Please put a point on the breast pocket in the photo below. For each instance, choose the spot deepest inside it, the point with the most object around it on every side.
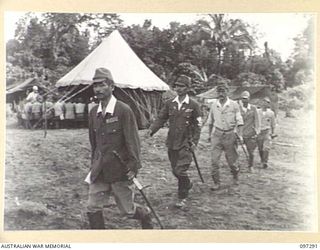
(111, 132)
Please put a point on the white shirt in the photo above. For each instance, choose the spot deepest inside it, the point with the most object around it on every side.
(110, 107)
(185, 100)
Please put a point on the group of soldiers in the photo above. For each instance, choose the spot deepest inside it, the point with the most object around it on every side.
(37, 109)
(115, 143)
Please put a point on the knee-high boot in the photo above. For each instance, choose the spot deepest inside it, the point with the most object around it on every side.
(144, 216)
(96, 220)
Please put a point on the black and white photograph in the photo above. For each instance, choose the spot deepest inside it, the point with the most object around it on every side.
(160, 121)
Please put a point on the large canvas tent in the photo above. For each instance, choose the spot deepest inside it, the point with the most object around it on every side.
(256, 93)
(135, 83)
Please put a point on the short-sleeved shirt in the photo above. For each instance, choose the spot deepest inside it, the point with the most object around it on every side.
(225, 117)
(267, 119)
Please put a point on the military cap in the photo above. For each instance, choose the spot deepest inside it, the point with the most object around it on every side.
(183, 80)
(245, 95)
(101, 74)
(267, 99)
(222, 85)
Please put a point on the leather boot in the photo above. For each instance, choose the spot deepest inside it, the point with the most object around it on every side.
(235, 173)
(185, 186)
(143, 214)
(96, 220)
(261, 156)
(216, 183)
(265, 159)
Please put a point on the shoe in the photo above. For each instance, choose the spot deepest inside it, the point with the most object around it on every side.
(181, 203)
(264, 165)
(144, 215)
(215, 187)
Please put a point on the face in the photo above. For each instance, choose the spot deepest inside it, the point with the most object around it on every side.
(103, 90)
(245, 101)
(222, 93)
(181, 89)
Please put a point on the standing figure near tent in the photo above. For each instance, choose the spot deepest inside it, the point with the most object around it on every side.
(251, 126)
(32, 96)
(225, 118)
(70, 113)
(113, 128)
(59, 111)
(80, 107)
(37, 112)
(184, 117)
(268, 125)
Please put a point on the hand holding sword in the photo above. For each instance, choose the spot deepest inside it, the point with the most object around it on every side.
(132, 176)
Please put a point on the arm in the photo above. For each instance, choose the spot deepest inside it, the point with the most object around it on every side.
(273, 123)
(132, 141)
(161, 119)
(196, 120)
(239, 120)
(92, 136)
(210, 121)
(257, 121)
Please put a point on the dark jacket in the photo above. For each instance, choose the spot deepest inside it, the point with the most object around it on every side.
(183, 124)
(117, 132)
(251, 121)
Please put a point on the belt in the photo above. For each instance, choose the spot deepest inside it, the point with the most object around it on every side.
(223, 130)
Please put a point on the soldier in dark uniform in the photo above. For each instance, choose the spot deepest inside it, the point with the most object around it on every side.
(112, 127)
(184, 118)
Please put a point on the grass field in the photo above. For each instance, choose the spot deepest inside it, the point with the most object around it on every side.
(45, 188)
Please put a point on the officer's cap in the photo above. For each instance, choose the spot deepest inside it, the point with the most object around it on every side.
(183, 81)
(102, 74)
(267, 99)
(222, 85)
(245, 95)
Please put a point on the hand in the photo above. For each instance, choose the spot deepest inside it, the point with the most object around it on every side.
(240, 138)
(193, 147)
(150, 133)
(131, 174)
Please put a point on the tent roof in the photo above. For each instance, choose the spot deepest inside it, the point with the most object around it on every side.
(235, 91)
(127, 69)
(21, 86)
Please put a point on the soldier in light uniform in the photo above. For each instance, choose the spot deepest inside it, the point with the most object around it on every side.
(251, 126)
(268, 125)
(226, 120)
(184, 117)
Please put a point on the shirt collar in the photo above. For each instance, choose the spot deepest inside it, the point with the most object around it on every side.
(185, 100)
(110, 107)
(248, 107)
(226, 103)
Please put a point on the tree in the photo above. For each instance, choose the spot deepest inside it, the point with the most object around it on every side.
(225, 34)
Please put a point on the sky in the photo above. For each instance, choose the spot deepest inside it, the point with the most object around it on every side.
(277, 28)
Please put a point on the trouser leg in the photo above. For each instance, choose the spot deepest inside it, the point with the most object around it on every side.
(180, 162)
(96, 220)
(124, 196)
(230, 145)
(216, 152)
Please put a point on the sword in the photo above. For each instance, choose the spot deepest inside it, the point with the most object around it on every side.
(140, 188)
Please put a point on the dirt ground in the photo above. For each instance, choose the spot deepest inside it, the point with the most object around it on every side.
(45, 188)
